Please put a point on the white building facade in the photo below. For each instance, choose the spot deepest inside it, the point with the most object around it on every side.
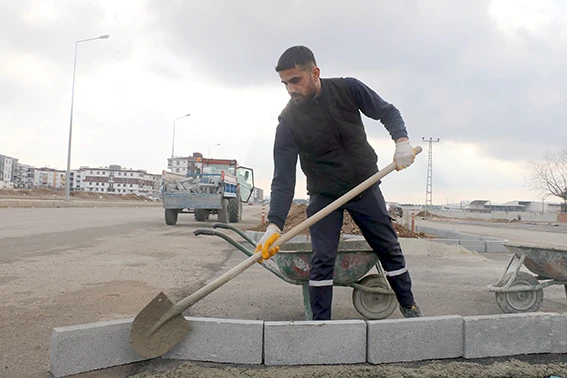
(49, 178)
(257, 195)
(7, 165)
(24, 176)
(183, 164)
(116, 180)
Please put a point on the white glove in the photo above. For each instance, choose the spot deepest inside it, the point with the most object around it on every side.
(272, 234)
(404, 155)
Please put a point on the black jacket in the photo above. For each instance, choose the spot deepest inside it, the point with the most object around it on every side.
(329, 138)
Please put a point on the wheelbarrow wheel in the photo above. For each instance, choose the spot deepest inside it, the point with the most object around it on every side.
(371, 305)
(520, 301)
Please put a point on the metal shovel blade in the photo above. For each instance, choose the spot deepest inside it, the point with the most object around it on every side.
(156, 329)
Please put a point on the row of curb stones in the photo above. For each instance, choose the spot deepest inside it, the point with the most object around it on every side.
(93, 346)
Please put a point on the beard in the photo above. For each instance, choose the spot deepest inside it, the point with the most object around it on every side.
(302, 99)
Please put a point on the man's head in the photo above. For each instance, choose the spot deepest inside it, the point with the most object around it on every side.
(299, 73)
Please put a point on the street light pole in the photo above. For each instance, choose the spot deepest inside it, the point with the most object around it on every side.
(173, 140)
(214, 145)
(68, 173)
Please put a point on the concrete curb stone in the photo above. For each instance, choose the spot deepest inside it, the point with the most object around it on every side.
(559, 332)
(93, 346)
(404, 340)
(507, 334)
(315, 342)
(221, 340)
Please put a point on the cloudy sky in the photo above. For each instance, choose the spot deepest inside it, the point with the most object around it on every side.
(487, 77)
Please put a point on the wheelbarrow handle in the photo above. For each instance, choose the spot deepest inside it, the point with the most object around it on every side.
(234, 243)
(269, 264)
(227, 226)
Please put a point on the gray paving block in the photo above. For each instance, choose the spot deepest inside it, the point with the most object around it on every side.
(507, 335)
(221, 340)
(495, 246)
(446, 241)
(404, 340)
(315, 342)
(474, 245)
(93, 346)
(559, 333)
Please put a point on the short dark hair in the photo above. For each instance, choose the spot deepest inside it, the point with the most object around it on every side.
(296, 56)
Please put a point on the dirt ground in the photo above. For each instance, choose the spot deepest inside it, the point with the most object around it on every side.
(44, 193)
(510, 368)
(61, 267)
(297, 215)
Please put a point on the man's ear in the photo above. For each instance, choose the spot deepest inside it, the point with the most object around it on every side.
(315, 73)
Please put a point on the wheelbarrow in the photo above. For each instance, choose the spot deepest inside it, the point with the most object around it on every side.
(372, 296)
(518, 291)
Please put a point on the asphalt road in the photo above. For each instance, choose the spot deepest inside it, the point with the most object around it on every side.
(72, 266)
(550, 234)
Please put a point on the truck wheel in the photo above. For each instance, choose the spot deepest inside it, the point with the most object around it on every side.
(201, 215)
(233, 210)
(222, 214)
(171, 217)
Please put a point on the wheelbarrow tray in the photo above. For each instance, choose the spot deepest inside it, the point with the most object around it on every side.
(354, 259)
(546, 262)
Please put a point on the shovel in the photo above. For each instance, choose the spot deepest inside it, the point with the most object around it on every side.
(160, 325)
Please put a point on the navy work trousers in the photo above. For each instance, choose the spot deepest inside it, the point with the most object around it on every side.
(370, 214)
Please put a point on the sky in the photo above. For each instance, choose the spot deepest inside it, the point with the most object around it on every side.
(486, 77)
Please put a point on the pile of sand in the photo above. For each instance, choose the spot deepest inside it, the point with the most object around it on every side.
(297, 215)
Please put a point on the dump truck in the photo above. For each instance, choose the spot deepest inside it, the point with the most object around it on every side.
(218, 187)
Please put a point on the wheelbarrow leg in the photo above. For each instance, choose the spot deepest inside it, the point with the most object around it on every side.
(307, 302)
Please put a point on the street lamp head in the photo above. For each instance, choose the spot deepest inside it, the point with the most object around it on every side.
(187, 115)
(104, 36)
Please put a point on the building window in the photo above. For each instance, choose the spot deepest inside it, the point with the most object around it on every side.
(177, 170)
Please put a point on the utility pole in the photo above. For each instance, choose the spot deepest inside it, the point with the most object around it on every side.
(429, 186)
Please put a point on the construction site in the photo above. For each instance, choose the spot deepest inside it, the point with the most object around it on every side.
(278, 210)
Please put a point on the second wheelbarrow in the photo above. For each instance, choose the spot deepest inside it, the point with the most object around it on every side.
(372, 296)
(519, 291)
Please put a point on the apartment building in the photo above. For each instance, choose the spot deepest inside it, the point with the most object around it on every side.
(116, 180)
(183, 164)
(257, 195)
(24, 176)
(7, 165)
(49, 178)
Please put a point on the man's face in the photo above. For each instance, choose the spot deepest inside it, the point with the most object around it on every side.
(300, 83)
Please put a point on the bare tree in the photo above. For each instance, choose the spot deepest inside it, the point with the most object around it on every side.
(549, 175)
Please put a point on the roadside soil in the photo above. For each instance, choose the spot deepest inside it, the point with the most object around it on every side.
(297, 215)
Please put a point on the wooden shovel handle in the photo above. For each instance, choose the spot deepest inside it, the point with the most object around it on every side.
(212, 286)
